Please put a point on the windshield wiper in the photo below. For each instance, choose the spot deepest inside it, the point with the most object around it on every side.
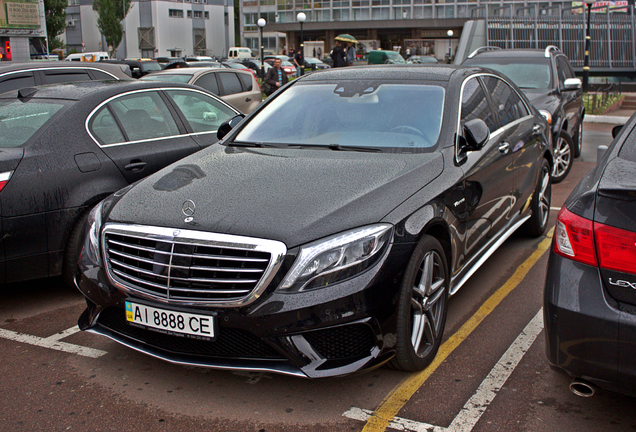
(338, 147)
(254, 144)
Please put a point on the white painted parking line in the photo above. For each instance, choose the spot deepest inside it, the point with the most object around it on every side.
(485, 394)
(53, 342)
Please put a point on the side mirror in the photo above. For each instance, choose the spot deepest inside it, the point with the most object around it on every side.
(476, 133)
(228, 125)
(616, 130)
(572, 84)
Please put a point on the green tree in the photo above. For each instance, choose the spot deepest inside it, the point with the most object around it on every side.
(110, 13)
(55, 22)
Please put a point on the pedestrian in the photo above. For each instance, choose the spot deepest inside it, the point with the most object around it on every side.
(314, 51)
(319, 53)
(275, 78)
(351, 54)
(338, 55)
(298, 61)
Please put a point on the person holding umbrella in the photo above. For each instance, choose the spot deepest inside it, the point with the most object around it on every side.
(350, 53)
(338, 55)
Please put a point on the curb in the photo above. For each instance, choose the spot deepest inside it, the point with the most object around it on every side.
(605, 119)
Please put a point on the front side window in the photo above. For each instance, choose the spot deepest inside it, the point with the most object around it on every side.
(475, 104)
(392, 117)
(230, 83)
(506, 101)
(204, 113)
(20, 120)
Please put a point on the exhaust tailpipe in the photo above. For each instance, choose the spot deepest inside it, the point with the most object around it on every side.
(582, 388)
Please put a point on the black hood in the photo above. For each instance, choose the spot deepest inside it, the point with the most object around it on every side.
(543, 99)
(291, 195)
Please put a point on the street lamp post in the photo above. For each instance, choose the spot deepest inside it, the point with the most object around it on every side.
(588, 38)
(261, 23)
(301, 17)
(450, 48)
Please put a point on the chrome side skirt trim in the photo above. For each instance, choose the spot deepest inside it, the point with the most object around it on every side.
(460, 279)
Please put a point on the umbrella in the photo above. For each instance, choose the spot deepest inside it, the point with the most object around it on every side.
(346, 38)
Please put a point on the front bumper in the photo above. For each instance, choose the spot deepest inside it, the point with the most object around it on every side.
(338, 330)
(589, 335)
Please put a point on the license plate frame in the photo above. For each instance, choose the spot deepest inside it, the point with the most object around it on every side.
(172, 322)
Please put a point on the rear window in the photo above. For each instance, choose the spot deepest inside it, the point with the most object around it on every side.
(178, 78)
(19, 120)
(527, 73)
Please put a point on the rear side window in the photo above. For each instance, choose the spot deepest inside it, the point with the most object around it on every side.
(247, 81)
(19, 121)
(230, 83)
(99, 75)
(144, 116)
(208, 82)
(16, 81)
(204, 113)
(475, 104)
(63, 76)
(105, 128)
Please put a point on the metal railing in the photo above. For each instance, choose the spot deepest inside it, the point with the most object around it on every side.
(613, 37)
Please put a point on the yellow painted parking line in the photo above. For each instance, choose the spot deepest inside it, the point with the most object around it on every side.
(402, 393)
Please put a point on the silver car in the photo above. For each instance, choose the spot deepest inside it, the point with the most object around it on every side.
(236, 87)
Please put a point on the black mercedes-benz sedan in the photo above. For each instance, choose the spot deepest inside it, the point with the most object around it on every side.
(65, 147)
(590, 288)
(325, 232)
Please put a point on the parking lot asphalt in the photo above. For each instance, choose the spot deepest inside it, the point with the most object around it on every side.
(493, 377)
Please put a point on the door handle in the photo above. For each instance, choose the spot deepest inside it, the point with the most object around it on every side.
(504, 147)
(135, 166)
(536, 129)
(248, 99)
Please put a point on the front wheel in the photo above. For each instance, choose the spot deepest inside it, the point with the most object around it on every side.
(540, 205)
(563, 157)
(578, 143)
(422, 307)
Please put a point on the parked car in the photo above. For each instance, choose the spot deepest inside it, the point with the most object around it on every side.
(323, 241)
(287, 66)
(590, 297)
(239, 66)
(417, 59)
(384, 57)
(14, 76)
(315, 64)
(138, 67)
(240, 53)
(236, 87)
(87, 56)
(547, 78)
(164, 61)
(280, 56)
(66, 147)
(255, 65)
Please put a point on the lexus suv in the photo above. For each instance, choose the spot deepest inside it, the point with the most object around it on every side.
(547, 78)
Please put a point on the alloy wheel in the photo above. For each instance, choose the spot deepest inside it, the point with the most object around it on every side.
(562, 157)
(544, 198)
(428, 300)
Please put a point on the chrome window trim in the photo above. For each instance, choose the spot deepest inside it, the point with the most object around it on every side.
(58, 68)
(158, 89)
(501, 129)
(277, 249)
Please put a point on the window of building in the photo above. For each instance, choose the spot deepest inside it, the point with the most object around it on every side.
(189, 14)
(175, 13)
(197, 14)
(207, 15)
(73, 2)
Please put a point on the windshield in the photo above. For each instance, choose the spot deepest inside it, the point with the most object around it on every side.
(395, 57)
(178, 78)
(151, 66)
(19, 121)
(400, 117)
(527, 73)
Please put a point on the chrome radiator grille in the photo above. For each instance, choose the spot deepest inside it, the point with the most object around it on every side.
(182, 266)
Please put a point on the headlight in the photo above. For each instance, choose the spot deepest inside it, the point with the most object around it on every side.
(93, 227)
(337, 257)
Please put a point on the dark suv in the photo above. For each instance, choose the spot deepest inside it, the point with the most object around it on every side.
(547, 78)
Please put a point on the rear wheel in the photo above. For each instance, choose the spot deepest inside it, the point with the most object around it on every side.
(422, 307)
(563, 157)
(540, 205)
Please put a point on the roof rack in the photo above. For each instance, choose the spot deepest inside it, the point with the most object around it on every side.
(549, 49)
(482, 49)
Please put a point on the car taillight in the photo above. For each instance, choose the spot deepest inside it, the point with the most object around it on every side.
(616, 248)
(582, 240)
(4, 178)
(574, 237)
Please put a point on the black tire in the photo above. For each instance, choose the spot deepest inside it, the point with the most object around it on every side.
(540, 205)
(422, 312)
(73, 248)
(578, 141)
(563, 157)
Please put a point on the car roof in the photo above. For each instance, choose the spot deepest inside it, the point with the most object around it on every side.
(82, 89)
(196, 71)
(522, 52)
(428, 72)
(33, 65)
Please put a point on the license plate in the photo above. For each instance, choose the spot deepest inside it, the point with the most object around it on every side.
(171, 322)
